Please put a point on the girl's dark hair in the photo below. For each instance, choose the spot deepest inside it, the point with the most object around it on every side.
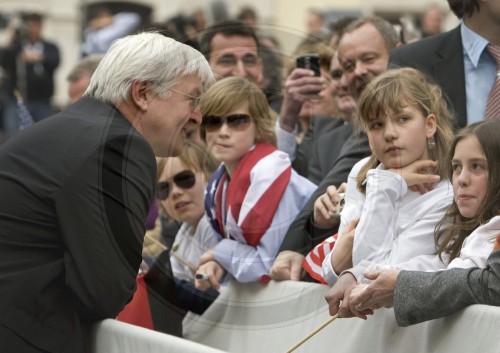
(449, 238)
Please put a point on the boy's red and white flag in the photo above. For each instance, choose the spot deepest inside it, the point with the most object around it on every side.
(313, 262)
(253, 196)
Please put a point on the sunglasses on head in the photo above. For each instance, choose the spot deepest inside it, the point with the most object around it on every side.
(185, 179)
(233, 121)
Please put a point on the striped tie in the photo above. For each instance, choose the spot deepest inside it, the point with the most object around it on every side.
(493, 105)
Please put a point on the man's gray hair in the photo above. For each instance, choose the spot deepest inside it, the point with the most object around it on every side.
(146, 57)
(386, 30)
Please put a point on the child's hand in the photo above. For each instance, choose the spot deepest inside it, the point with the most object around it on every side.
(419, 175)
(339, 295)
(208, 275)
(207, 257)
(325, 207)
(287, 266)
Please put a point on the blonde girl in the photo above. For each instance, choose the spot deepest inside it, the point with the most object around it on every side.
(400, 193)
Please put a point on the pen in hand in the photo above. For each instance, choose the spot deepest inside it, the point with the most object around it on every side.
(201, 276)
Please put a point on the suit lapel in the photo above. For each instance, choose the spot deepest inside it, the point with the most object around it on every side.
(449, 72)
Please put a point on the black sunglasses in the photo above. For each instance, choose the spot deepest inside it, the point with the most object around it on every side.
(185, 179)
(234, 121)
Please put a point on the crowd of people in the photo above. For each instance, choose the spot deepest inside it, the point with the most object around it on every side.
(378, 177)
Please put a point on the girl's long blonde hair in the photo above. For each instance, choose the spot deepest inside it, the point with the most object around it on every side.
(395, 89)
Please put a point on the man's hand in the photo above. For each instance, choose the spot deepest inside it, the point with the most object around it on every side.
(287, 266)
(325, 207)
(299, 86)
(378, 294)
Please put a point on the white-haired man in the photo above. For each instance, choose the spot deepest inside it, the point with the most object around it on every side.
(77, 187)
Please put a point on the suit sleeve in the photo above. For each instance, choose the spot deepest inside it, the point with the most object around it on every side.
(395, 60)
(302, 235)
(101, 211)
(422, 296)
(315, 171)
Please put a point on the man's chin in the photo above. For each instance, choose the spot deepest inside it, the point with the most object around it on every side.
(173, 149)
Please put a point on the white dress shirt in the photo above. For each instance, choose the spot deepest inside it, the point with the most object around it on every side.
(478, 246)
(396, 228)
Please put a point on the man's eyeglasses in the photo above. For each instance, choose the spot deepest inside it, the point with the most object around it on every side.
(234, 121)
(193, 101)
(185, 180)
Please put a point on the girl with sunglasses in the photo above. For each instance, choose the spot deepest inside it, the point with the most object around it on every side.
(180, 188)
(254, 195)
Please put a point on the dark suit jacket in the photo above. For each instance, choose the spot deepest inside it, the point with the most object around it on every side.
(441, 58)
(320, 125)
(326, 150)
(422, 296)
(76, 189)
(302, 235)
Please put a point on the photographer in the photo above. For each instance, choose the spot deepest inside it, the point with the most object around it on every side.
(29, 62)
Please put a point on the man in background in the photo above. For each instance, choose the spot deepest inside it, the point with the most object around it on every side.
(30, 62)
(105, 27)
(460, 60)
(431, 22)
(79, 77)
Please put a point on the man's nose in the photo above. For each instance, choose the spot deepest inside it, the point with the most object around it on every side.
(239, 69)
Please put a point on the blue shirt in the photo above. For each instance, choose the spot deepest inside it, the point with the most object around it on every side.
(480, 72)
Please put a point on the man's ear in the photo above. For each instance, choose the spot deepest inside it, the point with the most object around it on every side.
(139, 95)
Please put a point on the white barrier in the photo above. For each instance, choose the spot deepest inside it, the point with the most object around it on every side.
(256, 319)
(112, 336)
(272, 318)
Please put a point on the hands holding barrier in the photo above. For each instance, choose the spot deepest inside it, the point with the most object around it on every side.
(363, 298)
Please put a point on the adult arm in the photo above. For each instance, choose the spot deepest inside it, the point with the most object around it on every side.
(422, 296)
(99, 40)
(299, 86)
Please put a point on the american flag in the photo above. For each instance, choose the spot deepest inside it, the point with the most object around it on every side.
(312, 263)
(25, 118)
